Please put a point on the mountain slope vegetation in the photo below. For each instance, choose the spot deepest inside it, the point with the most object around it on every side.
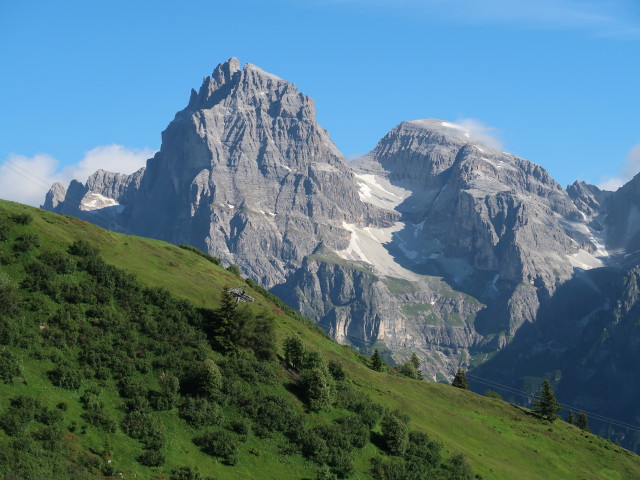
(127, 357)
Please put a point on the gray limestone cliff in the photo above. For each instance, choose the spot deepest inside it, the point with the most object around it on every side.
(432, 243)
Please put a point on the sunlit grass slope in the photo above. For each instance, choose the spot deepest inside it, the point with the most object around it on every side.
(499, 440)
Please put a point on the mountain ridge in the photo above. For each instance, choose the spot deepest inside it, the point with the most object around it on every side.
(432, 243)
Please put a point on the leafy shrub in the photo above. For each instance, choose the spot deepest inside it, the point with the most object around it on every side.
(220, 444)
(395, 434)
(273, 414)
(10, 366)
(210, 381)
(423, 451)
(359, 403)
(144, 427)
(199, 412)
(82, 248)
(337, 371)
(60, 262)
(130, 387)
(354, 430)
(49, 416)
(98, 417)
(186, 473)
(66, 376)
(409, 370)
(294, 351)
(457, 468)
(22, 218)
(5, 229)
(152, 458)
(316, 388)
(9, 296)
(26, 242)
(22, 410)
(388, 469)
(39, 277)
(240, 426)
(235, 270)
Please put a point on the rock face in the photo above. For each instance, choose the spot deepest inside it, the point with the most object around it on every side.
(432, 243)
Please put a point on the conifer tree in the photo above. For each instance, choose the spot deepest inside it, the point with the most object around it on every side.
(546, 404)
(460, 380)
(569, 418)
(377, 363)
(583, 422)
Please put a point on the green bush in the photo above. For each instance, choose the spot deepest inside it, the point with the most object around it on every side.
(186, 473)
(240, 426)
(395, 434)
(98, 417)
(317, 388)
(82, 248)
(5, 229)
(152, 458)
(235, 270)
(60, 262)
(423, 451)
(337, 371)
(39, 277)
(220, 444)
(66, 376)
(22, 218)
(10, 366)
(26, 242)
(144, 427)
(273, 414)
(199, 412)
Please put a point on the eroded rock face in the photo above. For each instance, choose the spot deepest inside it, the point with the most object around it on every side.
(246, 173)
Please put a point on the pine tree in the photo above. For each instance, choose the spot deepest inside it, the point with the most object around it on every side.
(460, 380)
(583, 422)
(225, 320)
(569, 418)
(546, 404)
(377, 363)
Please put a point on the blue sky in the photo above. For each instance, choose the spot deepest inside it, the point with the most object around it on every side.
(90, 84)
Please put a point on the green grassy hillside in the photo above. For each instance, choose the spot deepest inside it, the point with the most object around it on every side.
(104, 375)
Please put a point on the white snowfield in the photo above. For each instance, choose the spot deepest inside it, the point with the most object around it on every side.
(379, 191)
(367, 244)
(95, 201)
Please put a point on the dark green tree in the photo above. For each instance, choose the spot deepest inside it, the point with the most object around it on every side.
(545, 404)
(415, 361)
(583, 422)
(224, 322)
(317, 388)
(377, 363)
(210, 379)
(460, 380)
(409, 370)
(294, 351)
(569, 418)
(395, 434)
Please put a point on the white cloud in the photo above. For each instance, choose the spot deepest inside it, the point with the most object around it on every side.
(482, 133)
(613, 17)
(27, 179)
(630, 168)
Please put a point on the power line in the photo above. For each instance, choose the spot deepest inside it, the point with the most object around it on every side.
(593, 415)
